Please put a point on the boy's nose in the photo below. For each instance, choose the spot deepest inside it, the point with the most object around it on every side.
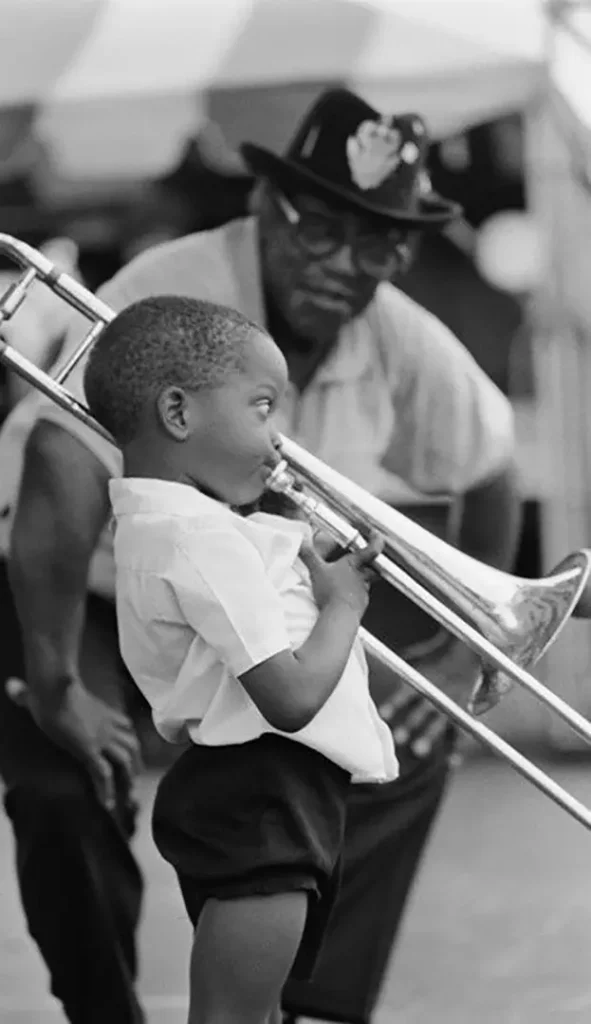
(276, 442)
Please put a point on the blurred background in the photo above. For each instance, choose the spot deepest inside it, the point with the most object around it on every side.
(119, 122)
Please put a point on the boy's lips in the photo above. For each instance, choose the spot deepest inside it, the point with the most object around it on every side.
(267, 470)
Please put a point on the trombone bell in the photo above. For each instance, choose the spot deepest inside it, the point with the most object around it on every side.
(518, 617)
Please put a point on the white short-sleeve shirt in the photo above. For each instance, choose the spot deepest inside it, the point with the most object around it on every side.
(203, 595)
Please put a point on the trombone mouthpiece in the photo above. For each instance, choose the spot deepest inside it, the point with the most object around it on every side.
(281, 480)
(284, 481)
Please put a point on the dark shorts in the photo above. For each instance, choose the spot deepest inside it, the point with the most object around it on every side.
(255, 818)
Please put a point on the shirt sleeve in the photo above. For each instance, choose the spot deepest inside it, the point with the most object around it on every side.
(453, 427)
(225, 594)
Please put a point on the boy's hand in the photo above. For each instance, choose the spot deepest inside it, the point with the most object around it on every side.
(347, 579)
(326, 546)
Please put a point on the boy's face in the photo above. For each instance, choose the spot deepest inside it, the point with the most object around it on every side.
(233, 443)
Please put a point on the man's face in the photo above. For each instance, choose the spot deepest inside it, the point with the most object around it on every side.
(321, 263)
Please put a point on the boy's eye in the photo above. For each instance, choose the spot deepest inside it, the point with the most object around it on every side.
(265, 405)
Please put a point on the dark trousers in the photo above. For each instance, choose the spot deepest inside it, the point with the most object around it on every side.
(79, 884)
(387, 829)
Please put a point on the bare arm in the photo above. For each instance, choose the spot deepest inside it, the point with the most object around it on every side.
(291, 687)
(491, 520)
(62, 508)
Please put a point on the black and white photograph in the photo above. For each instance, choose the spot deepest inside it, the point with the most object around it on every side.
(295, 511)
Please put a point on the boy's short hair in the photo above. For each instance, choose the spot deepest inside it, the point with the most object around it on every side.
(157, 342)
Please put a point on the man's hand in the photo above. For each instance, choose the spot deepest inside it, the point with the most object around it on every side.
(415, 722)
(97, 734)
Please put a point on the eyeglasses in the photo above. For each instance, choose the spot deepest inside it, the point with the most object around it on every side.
(374, 253)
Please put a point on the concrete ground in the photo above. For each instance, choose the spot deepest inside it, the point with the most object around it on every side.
(498, 930)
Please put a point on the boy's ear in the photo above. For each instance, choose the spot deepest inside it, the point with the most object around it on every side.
(175, 412)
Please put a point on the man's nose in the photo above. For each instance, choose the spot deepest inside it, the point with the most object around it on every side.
(342, 261)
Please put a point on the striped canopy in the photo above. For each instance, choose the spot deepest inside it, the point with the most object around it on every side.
(114, 86)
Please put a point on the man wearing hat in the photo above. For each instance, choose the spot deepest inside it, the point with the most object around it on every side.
(381, 391)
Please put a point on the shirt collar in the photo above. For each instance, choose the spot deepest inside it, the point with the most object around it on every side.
(131, 495)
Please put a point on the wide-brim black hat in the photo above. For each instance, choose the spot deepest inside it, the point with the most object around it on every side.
(346, 150)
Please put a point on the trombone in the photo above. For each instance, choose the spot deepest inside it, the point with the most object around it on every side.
(509, 622)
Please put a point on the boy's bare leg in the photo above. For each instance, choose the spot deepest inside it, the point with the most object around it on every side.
(243, 951)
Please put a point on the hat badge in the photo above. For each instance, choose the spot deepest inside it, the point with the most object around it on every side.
(373, 153)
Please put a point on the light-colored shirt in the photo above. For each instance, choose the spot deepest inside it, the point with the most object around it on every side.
(203, 595)
(399, 403)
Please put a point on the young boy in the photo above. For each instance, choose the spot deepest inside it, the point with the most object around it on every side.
(242, 638)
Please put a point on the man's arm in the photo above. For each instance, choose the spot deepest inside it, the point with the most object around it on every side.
(454, 430)
(455, 434)
(491, 519)
(61, 511)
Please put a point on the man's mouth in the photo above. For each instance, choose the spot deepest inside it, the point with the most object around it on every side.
(335, 299)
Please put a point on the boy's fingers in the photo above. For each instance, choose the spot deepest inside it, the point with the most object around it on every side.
(309, 555)
(326, 546)
(373, 548)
